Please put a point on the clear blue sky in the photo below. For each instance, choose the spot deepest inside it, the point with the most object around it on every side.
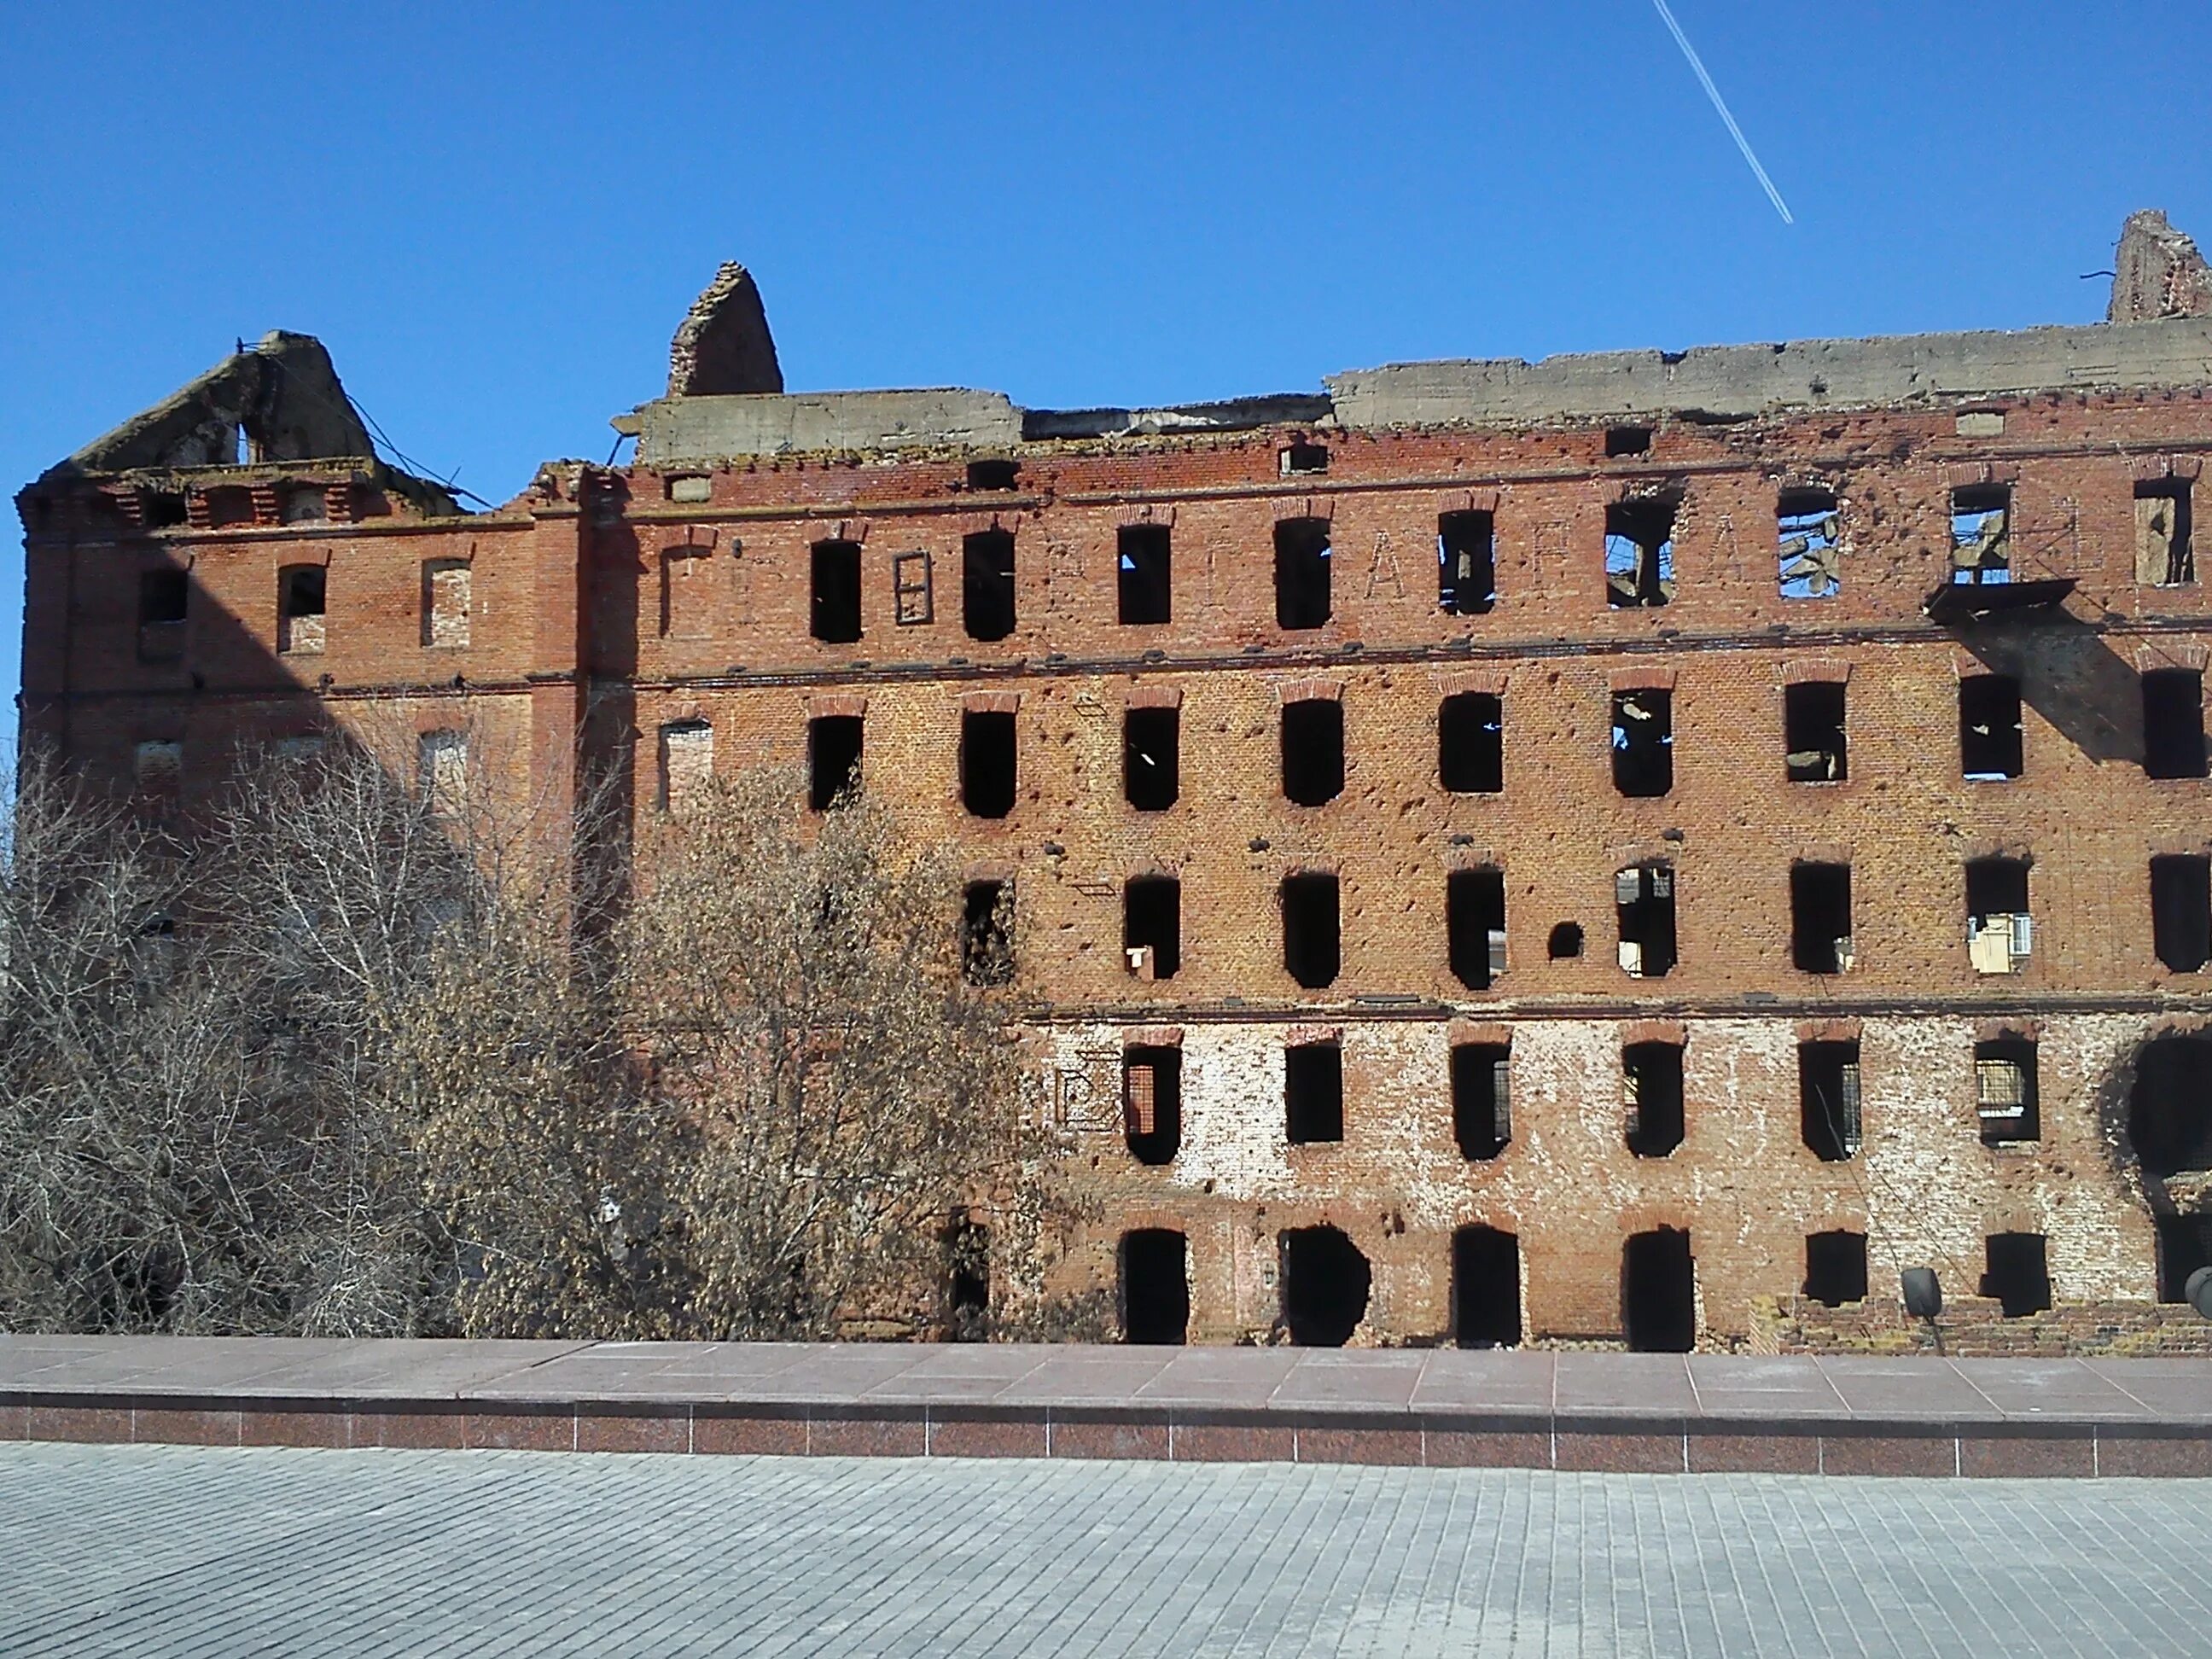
(496, 215)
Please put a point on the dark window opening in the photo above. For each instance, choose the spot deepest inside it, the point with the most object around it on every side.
(1152, 1102)
(164, 509)
(1981, 534)
(1627, 441)
(1155, 1265)
(2185, 1244)
(1836, 1267)
(1466, 563)
(968, 1287)
(1812, 732)
(833, 759)
(1151, 927)
(2164, 557)
(835, 606)
(1145, 566)
(1302, 455)
(1809, 563)
(1644, 742)
(162, 596)
(2019, 1273)
(302, 596)
(1820, 917)
(1991, 743)
(1639, 551)
(987, 584)
(1659, 1291)
(1486, 1288)
(2173, 723)
(1643, 898)
(229, 504)
(2000, 933)
(2170, 1108)
(2006, 1093)
(1471, 743)
(1151, 763)
(1651, 1092)
(1326, 1282)
(2181, 911)
(996, 474)
(1474, 925)
(986, 929)
(1310, 942)
(1313, 1093)
(1302, 597)
(1566, 942)
(1828, 1099)
(986, 763)
(1482, 1099)
(1313, 751)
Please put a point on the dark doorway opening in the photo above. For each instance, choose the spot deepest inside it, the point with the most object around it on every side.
(1836, 1267)
(1145, 566)
(1474, 925)
(1812, 732)
(1820, 917)
(1643, 743)
(1311, 945)
(1313, 751)
(1471, 743)
(1155, 1263)
(987, 584)
(833, 759)
(1991, 745)
(1326, 1282)
(986, 918)
(2170, 1111)
(968, 1290)
(835, 606)
(986, 763)
(1486, 1288)
(1828, 1099)
(1152, 1102)
(2019, 1274)
(1466, 563)
(2181, 911)
(1302, 595)
(2185, 1244)
(1482, 1099)
(1152, 926)
(1652, 1090)
(1150, 757)
(1313, 1093)
(1659, 1291)
(2173, 723)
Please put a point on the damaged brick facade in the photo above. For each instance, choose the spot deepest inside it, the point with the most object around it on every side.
(1411, 753)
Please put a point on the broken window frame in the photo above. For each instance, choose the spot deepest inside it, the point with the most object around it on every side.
(1808, 550)
(912, 600)
(1639, 550)
(1981, 535)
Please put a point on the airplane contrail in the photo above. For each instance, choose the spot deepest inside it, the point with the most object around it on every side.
(1714, 92)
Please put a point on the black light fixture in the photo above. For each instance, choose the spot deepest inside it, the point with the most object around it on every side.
(1924, 1293)
(2197, 1292)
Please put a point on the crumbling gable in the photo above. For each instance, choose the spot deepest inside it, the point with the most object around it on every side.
(724, 346)
(2157, 272)
(277, 400)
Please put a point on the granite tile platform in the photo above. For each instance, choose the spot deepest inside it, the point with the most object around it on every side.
(1614, 1412)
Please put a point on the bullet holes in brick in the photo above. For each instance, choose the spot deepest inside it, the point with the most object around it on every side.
(1151, 927)
(2181, 911)
(1471, 743)
(1482, 1099)
(1155, 1286)
(1643, 743)
(1643, 903)
(1311, 952)
(1639, 551)
(2173, 723)
(1828, 1117)
(1326, 1282)
(987, 584)
(1836, 1267)
(1466, 563)
(1659, 1291)
(1474, 925)
(1564, 943)
(833, 759)
(1486, 1288)
(986, 934)
(1302, 574)
(1651, 1096)
(1313, 1093)
(997, 474)
(1313, 751)
(986, 763)
(1820, 918)
(1143, 568)
(1150, 757)
(834, 609)
(1152, 1102)
(2019, 1274)
(1812, 732)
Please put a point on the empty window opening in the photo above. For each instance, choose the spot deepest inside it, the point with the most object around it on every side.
(987, 584)
(1151, 763)
(1820, 918)
(1809, 563)
(2181, 911)
(968, 1281)
(1639, 551)
(835, 606)
(1152, 1102)
(1313, 751)
(1828, 1099)
(1313, 1093)
(999, 473)
(1471, 743)
(2185, 1244)
(2019, 1273)
(163, 595)
(1644, 742)
(2173, 723)
(1302, 455)
(2170, 1108)
(1644, 899)
(2005, 1091)
(1310, 944)
(301, 596)
(987, 933)
(1812, 732)
(2164, 557)
(1981, 534)
(833, 759)
(687, 762)
(1474, 925)
(1627, 441)
(446, 585)
(1151, 927)
(1486, 1288)
(986, 763)
(1145, 566)
(1154, 1272)
(1999, 933)
(165, 509)
(1836, 1267)
(1326, 1281)
(1466, 563)
(1482, 1099)
(1301, 598)
(1659, 1291)
(229, 505)
(1651, 1093)
(1992, 740)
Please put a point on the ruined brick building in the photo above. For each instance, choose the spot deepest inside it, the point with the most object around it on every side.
(1498, 852)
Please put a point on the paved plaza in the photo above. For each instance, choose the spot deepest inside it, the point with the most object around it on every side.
(119, 1549)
